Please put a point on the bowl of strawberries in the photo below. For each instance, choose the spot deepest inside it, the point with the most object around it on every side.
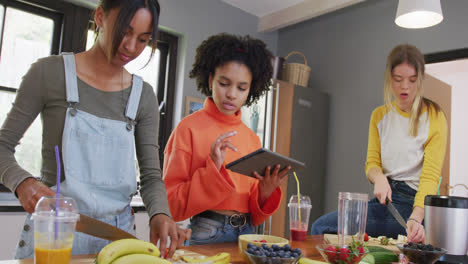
(349, 254)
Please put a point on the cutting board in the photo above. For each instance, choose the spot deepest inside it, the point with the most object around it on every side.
(186, 253)
(333, 239)
(89, 259)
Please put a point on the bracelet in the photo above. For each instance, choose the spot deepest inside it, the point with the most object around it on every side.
(412, 219)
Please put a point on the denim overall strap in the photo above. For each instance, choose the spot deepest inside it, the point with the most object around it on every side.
(133, 101)
(70, 78)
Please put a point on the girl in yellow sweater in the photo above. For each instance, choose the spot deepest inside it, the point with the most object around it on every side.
(407, 140)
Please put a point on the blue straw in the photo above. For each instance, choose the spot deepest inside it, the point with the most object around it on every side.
(57, 195)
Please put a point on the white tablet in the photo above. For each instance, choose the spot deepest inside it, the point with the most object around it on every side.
(260, 159)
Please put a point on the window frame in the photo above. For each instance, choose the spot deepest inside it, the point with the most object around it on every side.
(35, 10)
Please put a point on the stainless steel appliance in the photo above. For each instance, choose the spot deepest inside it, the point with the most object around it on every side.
(446, 226)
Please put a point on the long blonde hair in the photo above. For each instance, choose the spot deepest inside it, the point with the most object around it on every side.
(409, 54)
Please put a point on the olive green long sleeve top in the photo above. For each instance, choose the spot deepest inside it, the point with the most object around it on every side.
(42, 91)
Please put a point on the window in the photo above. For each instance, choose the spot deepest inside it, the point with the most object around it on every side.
(27, 34)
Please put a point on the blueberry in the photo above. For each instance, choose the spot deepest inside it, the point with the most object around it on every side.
(271, 249)
(286, 247)
(295, 255)
(273, 254)
(298, 251)
(257, 253)
(251, 251)
(265, 246)
(249, 245)
(287, 255)
(275, 247)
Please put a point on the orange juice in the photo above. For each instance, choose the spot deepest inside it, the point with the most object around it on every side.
(49, 256)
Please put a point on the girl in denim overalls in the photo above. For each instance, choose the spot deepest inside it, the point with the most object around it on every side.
(98, 114)
(233, 71)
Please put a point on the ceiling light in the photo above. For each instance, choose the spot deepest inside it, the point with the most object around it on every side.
(418, 13)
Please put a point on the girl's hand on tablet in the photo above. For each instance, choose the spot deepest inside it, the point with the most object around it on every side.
(270, 181)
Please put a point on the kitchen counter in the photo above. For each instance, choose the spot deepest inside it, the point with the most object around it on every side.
(9, 203)
(307, 247)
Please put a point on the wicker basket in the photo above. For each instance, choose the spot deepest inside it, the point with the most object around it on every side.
(296, 73)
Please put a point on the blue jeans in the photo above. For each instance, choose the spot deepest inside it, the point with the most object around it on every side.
(380, 221)
(207, 231)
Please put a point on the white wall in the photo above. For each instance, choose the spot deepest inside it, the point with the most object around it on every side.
(455, 73)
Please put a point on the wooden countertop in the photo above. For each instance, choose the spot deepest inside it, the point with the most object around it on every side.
(307, 247)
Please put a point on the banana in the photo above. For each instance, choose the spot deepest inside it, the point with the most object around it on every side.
(221, 258)
(124, 247)
(310, 261)
(140, 259)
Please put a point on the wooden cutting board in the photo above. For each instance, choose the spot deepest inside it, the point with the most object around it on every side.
(333, 239)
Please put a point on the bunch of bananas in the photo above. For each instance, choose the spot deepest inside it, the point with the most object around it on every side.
(221, 258)
(130, 251)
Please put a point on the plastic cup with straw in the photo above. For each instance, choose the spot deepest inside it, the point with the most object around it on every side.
(54, 225)
(299, 211)
(57, 194)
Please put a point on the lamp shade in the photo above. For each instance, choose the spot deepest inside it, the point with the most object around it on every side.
(418, 13)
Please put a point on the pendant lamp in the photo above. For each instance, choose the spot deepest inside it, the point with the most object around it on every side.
(418, 13)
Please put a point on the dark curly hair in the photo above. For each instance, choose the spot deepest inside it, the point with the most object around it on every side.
(223, 48)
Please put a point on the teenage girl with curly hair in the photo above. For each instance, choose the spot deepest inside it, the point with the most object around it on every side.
(232, 71)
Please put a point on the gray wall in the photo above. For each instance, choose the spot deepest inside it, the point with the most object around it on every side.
(347, 51)
(194, 21)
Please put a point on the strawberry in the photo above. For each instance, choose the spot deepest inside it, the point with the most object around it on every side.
(344, 253)
(331, 253)
(361, 249)
(263, 241)
(366, 237)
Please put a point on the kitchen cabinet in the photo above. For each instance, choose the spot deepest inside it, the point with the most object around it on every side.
(302, 117)
(10, 229)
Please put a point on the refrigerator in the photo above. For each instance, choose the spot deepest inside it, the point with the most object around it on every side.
(293, 121)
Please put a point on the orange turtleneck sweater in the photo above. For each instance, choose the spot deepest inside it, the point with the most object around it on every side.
(192, 181)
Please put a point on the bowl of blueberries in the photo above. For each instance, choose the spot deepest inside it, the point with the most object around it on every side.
(259, 240)
(419, 253)
(273, 254)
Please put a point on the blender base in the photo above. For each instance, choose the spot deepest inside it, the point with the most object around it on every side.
(453, 259)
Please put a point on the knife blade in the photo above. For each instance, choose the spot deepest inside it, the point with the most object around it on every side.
(396, 214)
(100, 229)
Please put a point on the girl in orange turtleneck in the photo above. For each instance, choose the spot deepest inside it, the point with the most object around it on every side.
(232, 71)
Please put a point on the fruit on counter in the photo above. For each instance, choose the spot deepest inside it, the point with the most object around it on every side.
(140, 259)
(366, 237)
(274, 251)
(124, 247)
(309, 261)
(421, 246)
(384, 241)
(221, 258)
(349, 254)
